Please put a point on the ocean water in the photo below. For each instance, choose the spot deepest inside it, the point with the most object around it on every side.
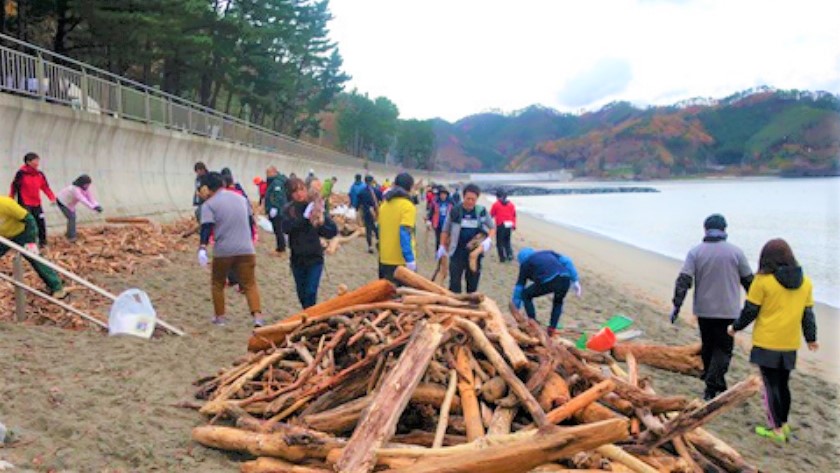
(805, 212)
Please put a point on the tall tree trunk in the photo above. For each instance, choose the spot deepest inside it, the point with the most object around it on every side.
(2, 16)
(62, 26)
(21, 20)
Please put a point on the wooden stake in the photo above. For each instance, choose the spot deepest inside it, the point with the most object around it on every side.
(55, 301)
(466, 389)
(443, 419)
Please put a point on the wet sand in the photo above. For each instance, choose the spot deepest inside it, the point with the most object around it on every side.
(82, 401)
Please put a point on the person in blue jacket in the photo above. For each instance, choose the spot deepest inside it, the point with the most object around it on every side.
(551, 273)
(355, 189)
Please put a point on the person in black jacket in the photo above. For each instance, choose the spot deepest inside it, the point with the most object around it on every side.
(369, 199)
(307, 257)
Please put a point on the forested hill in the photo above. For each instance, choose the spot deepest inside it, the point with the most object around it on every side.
(757, 131)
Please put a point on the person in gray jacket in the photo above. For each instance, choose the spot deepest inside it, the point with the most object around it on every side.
(466, 220)
(717, 268)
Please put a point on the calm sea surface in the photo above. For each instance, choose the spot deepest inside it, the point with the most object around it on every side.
(805, 212)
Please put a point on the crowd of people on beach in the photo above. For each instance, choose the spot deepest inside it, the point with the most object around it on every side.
(779, 297)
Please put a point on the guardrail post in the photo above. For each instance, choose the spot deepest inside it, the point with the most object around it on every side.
(170, 121)
(84, 84)
(20, 294)
(39, 76)
(189, 120)
(147, 102)
(119, 100)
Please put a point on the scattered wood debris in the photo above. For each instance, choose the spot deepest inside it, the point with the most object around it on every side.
(101, 249)
(418, 379)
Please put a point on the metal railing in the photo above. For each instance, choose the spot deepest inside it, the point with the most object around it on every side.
(29, 70)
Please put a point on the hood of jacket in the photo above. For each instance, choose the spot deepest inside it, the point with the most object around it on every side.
(789, 276)
(27, 169)
(397, 191)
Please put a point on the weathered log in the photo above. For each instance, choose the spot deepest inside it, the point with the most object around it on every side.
(423, 438)
(515, 384)
(217, 404)
(469, 400)
(684, 453)
(616, 454)
(502, 420)
(554, 392)
(679, 359)
(555, 468)
(275, 465)
(497, 325)
(525, 453)
(375, 291)
(379, 421)
(688, 421)
(128, 220)
(412, 279)
(719, 450)
(596, 412)
(580, 401)
(295, 447)
(336, 242)
(443, 418)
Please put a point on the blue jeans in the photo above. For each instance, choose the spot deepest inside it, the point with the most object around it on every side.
(307, 279)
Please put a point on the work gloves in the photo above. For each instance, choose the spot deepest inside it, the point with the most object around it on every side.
(578, 289)
(441, 252)
(272, 213)
(412, 265)
(487, 244)
(203, 260)
(98, 208)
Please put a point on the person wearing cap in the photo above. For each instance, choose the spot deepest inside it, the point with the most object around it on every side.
(551, 273)
(465, 221)
(436, 215)
(504, 215)
(369, 200)
(397, 233)
(716, 268)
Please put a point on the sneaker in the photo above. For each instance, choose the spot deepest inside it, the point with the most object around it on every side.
(60, 294)
(259, 322)
(220, 321)
(787, 430)
(370, 250)
(771, 434)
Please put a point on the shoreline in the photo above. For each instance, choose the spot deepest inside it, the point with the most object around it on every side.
(650, 277)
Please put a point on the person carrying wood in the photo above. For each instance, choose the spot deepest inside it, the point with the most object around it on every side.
(275, 200)
(227, 216)
(466, 221)
(718, 268)
(551, 273)
(305, 226)
(69, 197)
(369, 200)
(397, 233)
(27, 186)
(781, 303)
(18, 225)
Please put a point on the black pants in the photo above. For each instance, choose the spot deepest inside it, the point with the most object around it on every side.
(459, 267)
(503, 234)
(278, 234)
(438, 231)
(370, 229)
(38, 212)
(559, 286)
(386, 271)
(776, 395)
(716, 353)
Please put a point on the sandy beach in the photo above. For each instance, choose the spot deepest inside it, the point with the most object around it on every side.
(82, 401)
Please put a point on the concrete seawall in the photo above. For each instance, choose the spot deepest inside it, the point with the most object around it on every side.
(139, 169)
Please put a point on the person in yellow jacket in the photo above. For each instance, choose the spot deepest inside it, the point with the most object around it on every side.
(781, 302)
(397, 218)
(18, 225)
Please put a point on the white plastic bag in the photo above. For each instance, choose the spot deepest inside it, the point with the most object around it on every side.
(132, 314)
(265, 223)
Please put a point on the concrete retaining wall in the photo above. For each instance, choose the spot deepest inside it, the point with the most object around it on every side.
(138, 169)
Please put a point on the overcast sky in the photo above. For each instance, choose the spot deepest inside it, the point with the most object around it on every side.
(453, 58)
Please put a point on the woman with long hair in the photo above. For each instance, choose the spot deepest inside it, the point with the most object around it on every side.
(306, 225)
(68, 198)
(781, 302)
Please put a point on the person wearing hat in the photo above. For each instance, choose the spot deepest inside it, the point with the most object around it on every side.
(439, 209)
(551, 273)
(397, 233)
(504, 214)
(716, 268)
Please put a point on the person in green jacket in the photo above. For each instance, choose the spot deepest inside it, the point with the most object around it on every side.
(326, 192)
(19, 226)
(275, 200)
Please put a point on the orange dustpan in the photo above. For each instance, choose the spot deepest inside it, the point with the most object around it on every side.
(604, 340)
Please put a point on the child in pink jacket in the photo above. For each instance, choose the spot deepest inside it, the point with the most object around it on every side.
(69, 197)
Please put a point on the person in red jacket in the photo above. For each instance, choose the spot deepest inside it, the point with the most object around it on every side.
(26, 187)
(504, 214)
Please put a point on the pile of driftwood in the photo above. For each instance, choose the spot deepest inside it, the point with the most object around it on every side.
(101, 249)
(418, 379)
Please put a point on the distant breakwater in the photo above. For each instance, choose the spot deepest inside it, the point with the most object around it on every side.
(492, 189)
